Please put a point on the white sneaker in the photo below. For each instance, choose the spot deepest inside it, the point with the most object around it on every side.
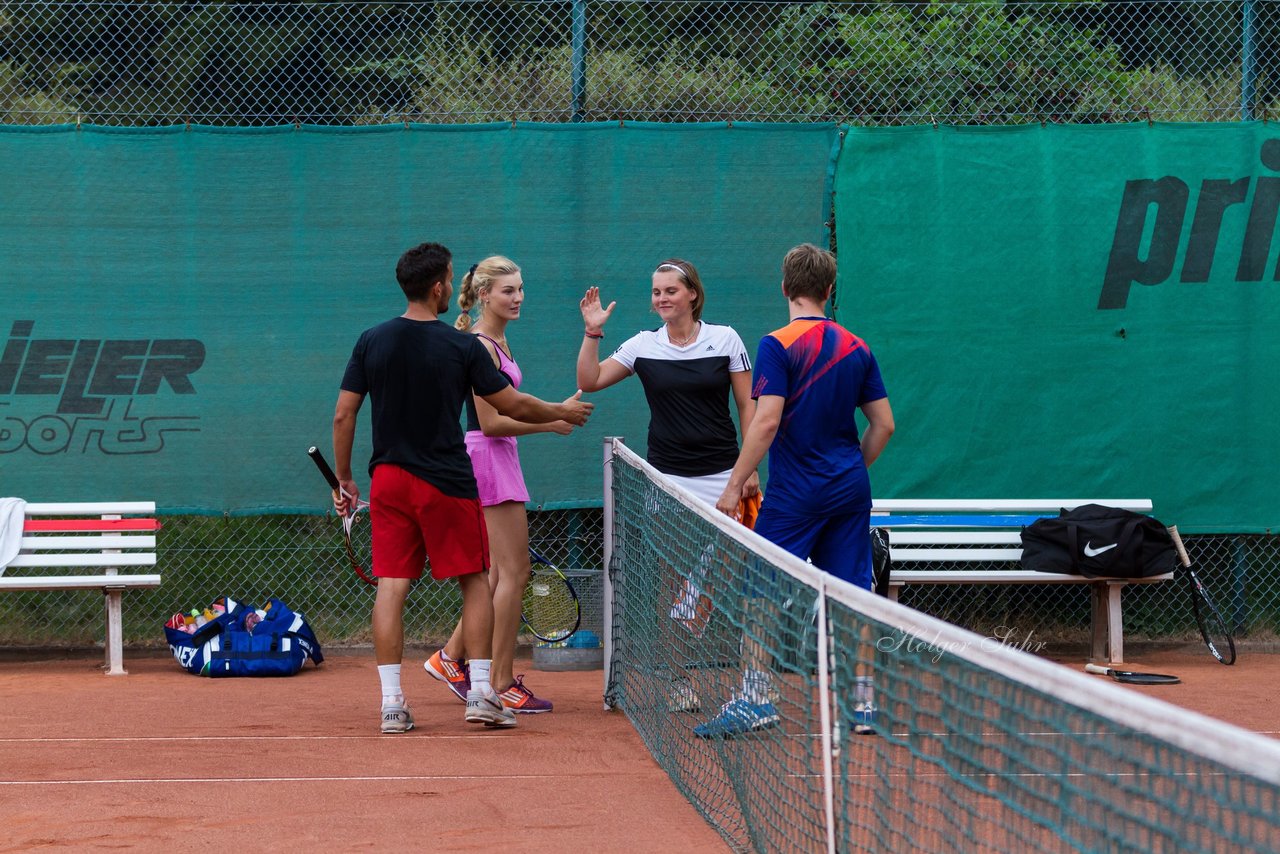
(488, 709)
(396, 718)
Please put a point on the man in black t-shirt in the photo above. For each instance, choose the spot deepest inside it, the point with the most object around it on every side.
(418, 371)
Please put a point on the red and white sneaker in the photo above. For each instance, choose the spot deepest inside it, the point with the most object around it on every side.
(520, 699)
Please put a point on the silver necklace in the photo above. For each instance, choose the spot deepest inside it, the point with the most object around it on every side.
(685, 341)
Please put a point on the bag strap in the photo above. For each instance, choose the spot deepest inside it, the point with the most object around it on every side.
(1073, 541)
(214, 627)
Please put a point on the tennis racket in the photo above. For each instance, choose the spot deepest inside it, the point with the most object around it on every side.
(550, 606)
(1133, 677)
(1212, 627)
(348, 520)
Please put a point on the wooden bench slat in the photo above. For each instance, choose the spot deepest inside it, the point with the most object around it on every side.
(976, 538)
(66, 526)
(90, 541)
(1002, 576)
(955, 555)
(76, 582)
(1001, 505)
(90, 508)
(936, 521)
(92, 559)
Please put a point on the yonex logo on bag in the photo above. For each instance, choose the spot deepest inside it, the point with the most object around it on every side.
(97, 383)
(185, 655)
(1089, 551)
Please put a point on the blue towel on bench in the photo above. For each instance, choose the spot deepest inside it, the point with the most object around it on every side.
(947, 520)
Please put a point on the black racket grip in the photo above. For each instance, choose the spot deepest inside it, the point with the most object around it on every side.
(323, 465)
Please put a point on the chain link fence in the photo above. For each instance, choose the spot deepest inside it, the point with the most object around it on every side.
(227, 63)
(301, 559)
(251, 64)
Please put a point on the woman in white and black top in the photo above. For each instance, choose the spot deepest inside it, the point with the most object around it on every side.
(688, 369)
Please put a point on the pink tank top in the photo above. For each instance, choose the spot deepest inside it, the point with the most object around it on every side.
(510, 370)
(506, 364)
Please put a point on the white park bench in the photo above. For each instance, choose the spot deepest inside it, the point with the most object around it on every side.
(955, 533)
(103, 542)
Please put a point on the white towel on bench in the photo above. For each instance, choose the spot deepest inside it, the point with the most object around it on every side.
(12, 518)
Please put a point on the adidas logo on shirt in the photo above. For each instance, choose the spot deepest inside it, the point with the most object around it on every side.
(711, 347)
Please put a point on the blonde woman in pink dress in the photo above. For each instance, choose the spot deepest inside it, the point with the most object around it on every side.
(495, 284)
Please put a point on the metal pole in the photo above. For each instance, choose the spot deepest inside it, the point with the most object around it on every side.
(606, 603)
(1248, 63)
(579, 71)
(826, 716)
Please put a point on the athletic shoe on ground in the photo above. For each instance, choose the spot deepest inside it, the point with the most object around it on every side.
(488, 710)
(738, 717)
(397, 718)
(451, 673)
(682, 698)
(864, 719)
(520, 699)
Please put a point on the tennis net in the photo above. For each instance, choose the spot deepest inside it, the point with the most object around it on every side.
(970, 743)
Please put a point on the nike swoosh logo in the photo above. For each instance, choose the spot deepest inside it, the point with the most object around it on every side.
(1089, 551)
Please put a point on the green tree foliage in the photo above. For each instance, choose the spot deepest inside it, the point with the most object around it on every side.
(475, 60)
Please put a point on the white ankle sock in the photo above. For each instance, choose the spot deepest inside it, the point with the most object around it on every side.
(755, 686)
(480, 675)
(389, 675)
(864, 690)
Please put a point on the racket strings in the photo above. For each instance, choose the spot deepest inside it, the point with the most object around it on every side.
(550, 606)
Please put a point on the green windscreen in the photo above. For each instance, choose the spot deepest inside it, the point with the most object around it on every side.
(1072, 311)
(179, 304)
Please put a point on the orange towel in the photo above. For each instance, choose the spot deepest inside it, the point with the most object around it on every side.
(749, 509)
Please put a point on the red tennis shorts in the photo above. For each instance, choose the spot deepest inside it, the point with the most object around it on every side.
(413, 522)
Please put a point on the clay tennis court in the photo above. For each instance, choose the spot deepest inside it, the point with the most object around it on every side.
(163, 760)
(160, 758)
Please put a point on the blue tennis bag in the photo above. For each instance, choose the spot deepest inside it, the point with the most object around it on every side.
(244, 641)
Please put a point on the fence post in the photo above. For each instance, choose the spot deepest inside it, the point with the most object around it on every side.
(579, 38)
(1248, 64)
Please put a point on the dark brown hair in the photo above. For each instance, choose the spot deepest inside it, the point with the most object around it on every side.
(421, 268)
